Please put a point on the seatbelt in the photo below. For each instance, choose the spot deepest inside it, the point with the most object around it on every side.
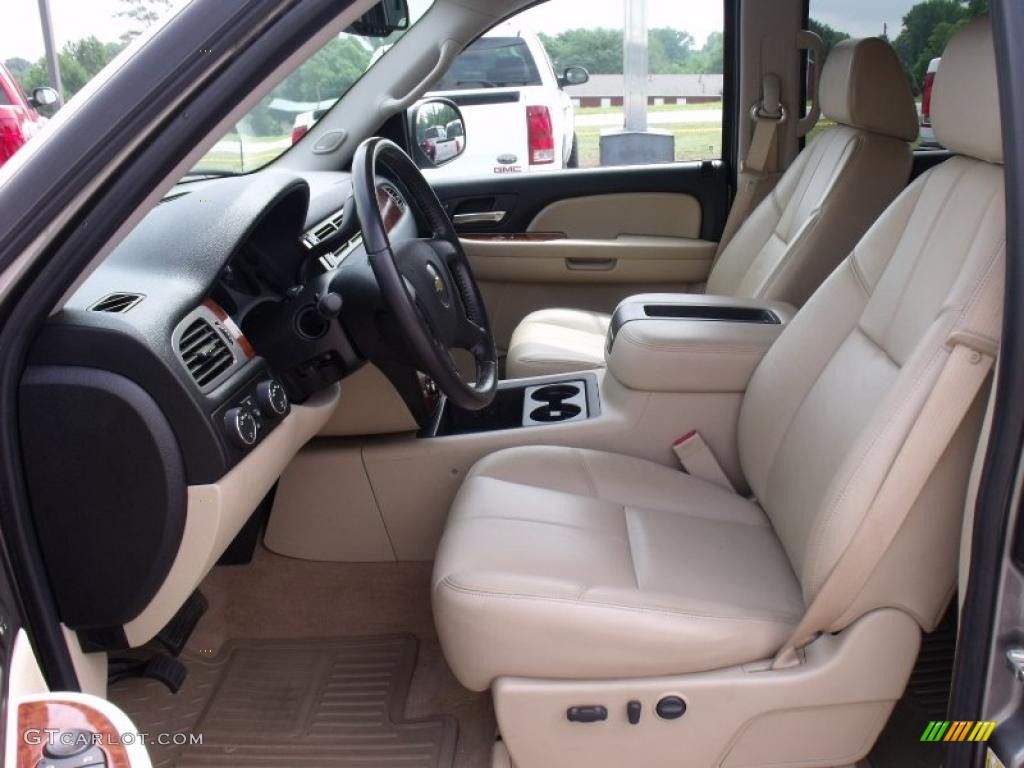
(697, 459)
(947, 405)
(759, 172)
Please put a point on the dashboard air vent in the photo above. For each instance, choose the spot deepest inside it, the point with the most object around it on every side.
(204, 352)
(117, 302)
(323, 230)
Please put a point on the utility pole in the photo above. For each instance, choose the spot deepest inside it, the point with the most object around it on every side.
(52, 62)
(635, 65)
(634, 144)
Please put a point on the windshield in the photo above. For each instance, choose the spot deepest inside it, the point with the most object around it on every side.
(492, 62)
(288, 112)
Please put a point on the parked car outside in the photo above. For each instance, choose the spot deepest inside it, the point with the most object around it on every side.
(515, 107)
(19, 120)
(927, 132)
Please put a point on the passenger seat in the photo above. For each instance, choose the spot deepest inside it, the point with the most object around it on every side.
(793, 240)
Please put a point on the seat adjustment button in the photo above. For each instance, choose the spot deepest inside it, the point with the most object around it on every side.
(670, 708)
(591, 713)
(633, 710)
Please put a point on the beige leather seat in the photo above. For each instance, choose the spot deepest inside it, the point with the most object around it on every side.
(819, 209)
(560, 563)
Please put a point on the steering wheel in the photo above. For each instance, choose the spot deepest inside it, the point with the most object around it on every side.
(426, 282)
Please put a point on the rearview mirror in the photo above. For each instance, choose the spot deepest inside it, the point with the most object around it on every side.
(44, 97)
(437, 131)
(385, 17)
(573, 76)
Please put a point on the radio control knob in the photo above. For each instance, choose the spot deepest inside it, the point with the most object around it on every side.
(242, 427)
(272, 398)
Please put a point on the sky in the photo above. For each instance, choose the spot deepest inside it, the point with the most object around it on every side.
(20, 34)
(862, 18)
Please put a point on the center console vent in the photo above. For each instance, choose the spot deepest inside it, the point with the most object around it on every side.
(117, 303)
(204, 352)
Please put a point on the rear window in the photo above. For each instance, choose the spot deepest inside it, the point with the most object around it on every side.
(492, 62)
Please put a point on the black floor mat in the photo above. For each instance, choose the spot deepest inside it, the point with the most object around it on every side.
(293, 704)
(926, 699)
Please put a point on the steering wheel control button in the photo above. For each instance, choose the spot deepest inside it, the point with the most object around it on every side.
(633, 710)
(272, 399)
(671, 708)
(242, 427)
(590, 713)
(70, 743)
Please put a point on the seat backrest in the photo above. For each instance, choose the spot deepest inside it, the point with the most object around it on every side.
(832, 402)
(835, 188)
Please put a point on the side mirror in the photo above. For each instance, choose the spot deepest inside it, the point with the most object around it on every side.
(573, 76)
(44, 97)
(437, 132)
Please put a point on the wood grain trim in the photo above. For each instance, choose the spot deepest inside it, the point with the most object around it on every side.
(63, 716)
(520, 237)
(231, 327)
(390, 212)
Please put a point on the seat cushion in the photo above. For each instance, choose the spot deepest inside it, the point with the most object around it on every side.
(557, 341)
(567, 563)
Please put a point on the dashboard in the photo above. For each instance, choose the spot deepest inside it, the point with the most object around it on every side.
(171, 364)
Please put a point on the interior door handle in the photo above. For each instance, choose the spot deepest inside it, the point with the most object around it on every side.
(483, 217)
(590, 265)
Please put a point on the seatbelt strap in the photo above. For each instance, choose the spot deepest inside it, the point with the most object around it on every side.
(698, 460)
(760, 169)
(959, 382)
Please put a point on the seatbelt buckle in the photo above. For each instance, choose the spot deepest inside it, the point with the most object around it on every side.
(697, 459)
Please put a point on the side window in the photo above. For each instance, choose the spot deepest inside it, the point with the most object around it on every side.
(552, 89)
(918, 31)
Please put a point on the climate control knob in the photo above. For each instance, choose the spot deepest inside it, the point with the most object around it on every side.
(272, 399)
(242, 426)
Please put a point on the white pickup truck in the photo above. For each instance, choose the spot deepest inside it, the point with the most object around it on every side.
(517, 117)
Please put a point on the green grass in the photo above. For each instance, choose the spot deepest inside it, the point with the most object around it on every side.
(254, 154)
(694, 141)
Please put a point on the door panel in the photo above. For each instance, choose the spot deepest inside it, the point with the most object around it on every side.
(661, 214)
(587, 239)
(523, 197)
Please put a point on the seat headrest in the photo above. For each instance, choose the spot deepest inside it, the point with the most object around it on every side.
(863, 86)
(965, 95)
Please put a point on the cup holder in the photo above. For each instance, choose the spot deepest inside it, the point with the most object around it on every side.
(555, 393)
(566, 401)
(551, 413)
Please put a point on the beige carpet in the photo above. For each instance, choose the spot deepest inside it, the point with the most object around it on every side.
(279, 598)
(294, 704)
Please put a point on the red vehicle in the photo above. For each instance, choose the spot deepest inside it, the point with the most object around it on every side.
(19, 120)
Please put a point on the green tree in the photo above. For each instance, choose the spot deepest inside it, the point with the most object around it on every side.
(598, 49)
(829, 35)
(142, 13)
(710, 59)
(669, 50)
(80, 61)
(18, 66)
(927, 27)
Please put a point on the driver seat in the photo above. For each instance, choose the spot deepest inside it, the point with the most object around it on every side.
(560, 565)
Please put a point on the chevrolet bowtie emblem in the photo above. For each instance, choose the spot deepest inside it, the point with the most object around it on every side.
(439, 287)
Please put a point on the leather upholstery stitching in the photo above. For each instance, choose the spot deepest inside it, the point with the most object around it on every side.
(769, 618)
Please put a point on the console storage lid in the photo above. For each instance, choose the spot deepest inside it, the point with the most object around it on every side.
(691, 342)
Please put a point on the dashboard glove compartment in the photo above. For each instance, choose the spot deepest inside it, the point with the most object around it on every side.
(691, 343)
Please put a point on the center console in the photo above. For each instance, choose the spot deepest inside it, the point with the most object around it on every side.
(691, 343)
(534, 402)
